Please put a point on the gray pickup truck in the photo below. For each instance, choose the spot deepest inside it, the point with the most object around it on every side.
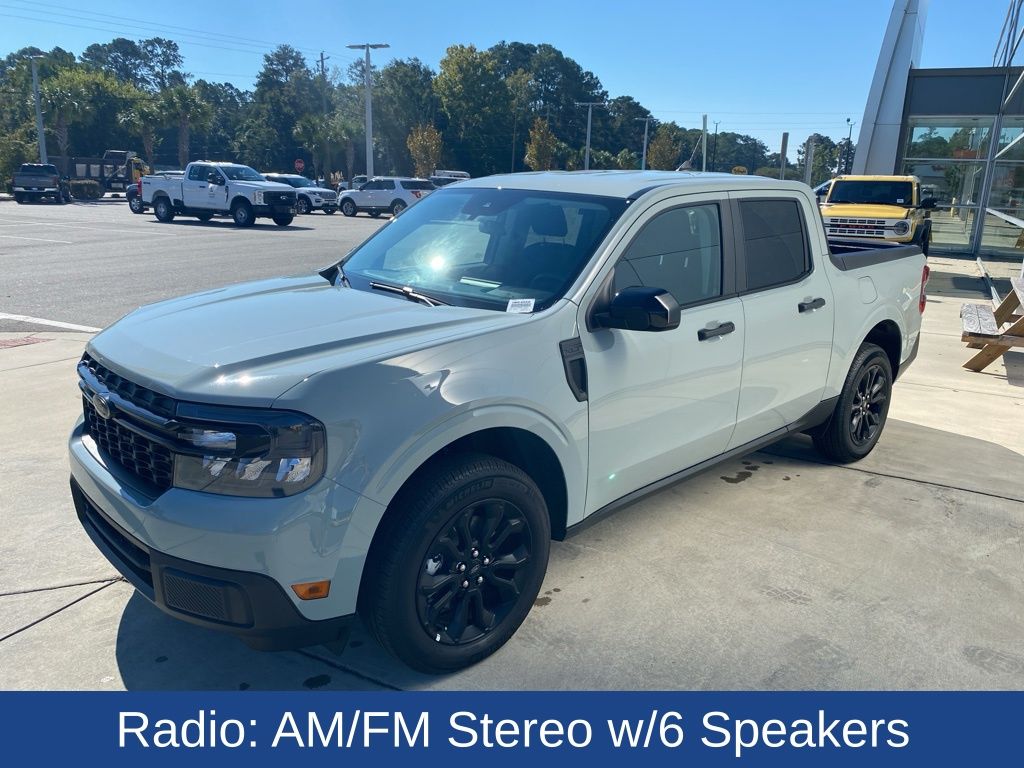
(36, 181)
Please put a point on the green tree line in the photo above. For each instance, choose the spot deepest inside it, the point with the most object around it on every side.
(508, 108)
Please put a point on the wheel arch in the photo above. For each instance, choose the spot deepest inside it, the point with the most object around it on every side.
(886, 334)
(237, 199)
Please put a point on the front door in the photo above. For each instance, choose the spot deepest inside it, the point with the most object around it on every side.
(196, 187)
(660, 402)
(789, 313)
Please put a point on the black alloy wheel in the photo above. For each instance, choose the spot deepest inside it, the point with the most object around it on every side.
(474, 572)
(868, 406)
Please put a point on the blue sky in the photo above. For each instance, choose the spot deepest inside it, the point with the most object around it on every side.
(755, 67)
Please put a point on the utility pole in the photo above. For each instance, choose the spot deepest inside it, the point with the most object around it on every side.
(323, 103)
(782, 155)
(647, 125)
(714, 148)
(367, 85)
(590, 115)
(808, 161)
(849, 141)
(39, 112)
(704, 146)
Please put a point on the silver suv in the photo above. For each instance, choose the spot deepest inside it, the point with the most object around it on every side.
(385, 194)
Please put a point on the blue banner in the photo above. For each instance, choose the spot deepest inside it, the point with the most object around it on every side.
(546, 728)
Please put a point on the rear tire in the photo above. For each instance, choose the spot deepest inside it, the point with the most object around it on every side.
(348, 208)
(397, 207)
(860, 413)
(163, 210)
(19, 198)
(375, 214)
(330, 211)
(457, 563)
(242, 214)
(283, 221)
(135, 205)
(204, 217)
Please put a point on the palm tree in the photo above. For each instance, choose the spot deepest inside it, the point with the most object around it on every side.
(311, 133)
(144, 117)
(67, 100)
(183, 105)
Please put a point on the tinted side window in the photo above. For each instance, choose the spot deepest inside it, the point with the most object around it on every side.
(679, 250)
(371, 185)
(198, 172)
(387, 184)
(775, 248)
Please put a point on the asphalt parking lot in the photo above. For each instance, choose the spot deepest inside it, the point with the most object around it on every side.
(775, 571)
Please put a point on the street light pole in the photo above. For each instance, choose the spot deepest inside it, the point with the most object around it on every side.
(714, 147)
(647, 125)
(849, 141)
(590, 115)
(39, 112)
(367, 85)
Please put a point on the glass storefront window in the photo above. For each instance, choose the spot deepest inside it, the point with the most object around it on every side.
(959, 138)
(948, 181)
(1003, 232)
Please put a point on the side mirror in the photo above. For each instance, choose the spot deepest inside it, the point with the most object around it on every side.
(640, 309)
(215, 178)
(928, 203)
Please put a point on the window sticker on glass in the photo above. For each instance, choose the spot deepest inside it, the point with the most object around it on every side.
(520, 306)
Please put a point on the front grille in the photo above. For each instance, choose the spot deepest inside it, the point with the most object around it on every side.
(279, 198)
(855, 227)
(147, 399)
(144, 458)
(329, 196)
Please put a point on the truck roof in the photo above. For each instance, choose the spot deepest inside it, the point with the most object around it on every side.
(875, 177)
(627, 184)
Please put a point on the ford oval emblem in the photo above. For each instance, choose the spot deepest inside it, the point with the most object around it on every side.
(101, 403)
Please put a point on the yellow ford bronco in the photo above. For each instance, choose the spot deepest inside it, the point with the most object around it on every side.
(878, 208)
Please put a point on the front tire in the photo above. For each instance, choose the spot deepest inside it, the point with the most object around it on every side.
(19, 198)
(283, 221)
(457, 563)
(859, 416)
(163, 210)
(204, 217)
(374, 214)
(348, 208)
(302, 206)
(242, 214)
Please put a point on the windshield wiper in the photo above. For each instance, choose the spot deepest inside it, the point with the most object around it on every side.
(409, 293)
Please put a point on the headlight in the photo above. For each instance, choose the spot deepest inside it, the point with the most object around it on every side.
(247, 452)
(901, 227)
(257, 198)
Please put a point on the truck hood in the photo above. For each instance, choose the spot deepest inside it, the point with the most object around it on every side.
(863, 211)
(247, 344)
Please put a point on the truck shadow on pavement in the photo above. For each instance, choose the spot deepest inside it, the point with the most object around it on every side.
(574, 649)
(227, 223)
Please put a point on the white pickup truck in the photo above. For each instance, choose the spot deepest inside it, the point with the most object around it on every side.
(207, 189)
(402, 435)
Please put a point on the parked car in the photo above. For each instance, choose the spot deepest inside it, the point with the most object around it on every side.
(356, 183)
(35, 181)
(310, 196)
(878, 208)
(442, 178)
(384, 194)
(402, 434)
(209, 188)
(133, 194)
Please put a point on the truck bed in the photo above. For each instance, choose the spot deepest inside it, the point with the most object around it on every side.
(855, 254)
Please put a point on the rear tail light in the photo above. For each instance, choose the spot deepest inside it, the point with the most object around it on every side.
(924, 282)
(138, 185)
(416, 193)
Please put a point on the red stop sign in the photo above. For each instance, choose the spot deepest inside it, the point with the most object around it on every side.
(300, 165)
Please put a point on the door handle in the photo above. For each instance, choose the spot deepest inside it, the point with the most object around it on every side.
(719, 330)
(807, 306)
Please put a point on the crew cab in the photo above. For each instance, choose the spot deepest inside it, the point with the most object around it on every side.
(208, 188)
(402, 434)
(878, 207)
(384, 194)
(310, 196)
(37, 181)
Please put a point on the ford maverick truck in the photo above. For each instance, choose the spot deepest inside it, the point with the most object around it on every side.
(401, 435)
(207, 189)
(888, 208)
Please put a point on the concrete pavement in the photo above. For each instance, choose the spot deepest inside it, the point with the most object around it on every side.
(775, 571)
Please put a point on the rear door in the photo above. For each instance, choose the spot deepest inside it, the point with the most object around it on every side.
(196, 186)
(788, 313)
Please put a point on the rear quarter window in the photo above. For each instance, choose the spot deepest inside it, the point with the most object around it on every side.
(775, 245)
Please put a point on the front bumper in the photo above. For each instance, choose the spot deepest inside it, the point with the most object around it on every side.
(325, 206)
(274, 210)
(250, 605)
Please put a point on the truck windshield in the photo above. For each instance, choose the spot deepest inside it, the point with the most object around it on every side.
(485, 248)
(872, 192)
(240, 173)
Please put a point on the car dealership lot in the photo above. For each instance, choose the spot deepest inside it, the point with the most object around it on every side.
(774, 571)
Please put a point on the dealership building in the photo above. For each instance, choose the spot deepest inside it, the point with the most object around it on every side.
(961, 131)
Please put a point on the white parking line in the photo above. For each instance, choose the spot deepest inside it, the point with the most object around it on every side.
(53, 323)
(140, 231)
(39, 239)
